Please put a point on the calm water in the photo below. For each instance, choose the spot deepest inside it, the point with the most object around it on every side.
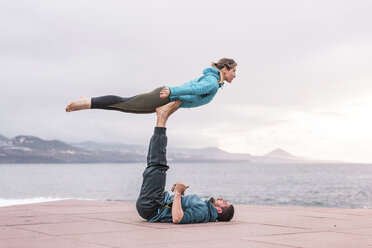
(348, 186)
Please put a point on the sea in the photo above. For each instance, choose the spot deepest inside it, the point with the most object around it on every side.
(310, 185)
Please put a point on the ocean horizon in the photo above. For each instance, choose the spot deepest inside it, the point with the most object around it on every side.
(326, 185)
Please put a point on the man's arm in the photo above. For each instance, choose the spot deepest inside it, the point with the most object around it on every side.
(177, 212)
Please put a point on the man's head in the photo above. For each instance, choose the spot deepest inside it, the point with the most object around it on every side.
(224, 208)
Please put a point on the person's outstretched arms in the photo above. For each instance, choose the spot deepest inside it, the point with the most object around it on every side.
(177, 212)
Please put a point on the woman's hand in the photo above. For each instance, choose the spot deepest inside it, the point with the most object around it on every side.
(164, 93)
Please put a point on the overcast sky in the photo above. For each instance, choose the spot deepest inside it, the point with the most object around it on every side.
(304, 75)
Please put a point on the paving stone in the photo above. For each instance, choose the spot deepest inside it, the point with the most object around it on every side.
(317, 239)
(14, 233)
(47, 242)
(97, 224)
(81, 227)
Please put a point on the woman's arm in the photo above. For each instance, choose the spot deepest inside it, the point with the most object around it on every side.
(194, 88)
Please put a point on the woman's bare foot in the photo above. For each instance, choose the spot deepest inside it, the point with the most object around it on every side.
(82, 103)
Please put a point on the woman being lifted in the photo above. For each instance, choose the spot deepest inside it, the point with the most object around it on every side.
(194, 93)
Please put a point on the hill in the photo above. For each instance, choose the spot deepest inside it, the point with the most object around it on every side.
(31, 149)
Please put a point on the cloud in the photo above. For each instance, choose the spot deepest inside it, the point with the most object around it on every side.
(297, 64)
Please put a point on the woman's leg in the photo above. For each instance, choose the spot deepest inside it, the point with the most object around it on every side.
(81, 103)
(140, 104)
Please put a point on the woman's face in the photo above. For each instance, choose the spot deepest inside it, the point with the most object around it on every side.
(229, 75)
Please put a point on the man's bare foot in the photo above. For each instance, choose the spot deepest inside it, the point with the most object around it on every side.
(165, 111)
(168, 109)
(82, 103)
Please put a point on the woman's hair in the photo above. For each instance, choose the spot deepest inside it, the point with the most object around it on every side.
(224, 62)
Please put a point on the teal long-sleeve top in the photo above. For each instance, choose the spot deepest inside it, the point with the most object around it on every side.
(199, 91)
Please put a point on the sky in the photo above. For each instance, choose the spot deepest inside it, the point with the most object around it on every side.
(304, 78)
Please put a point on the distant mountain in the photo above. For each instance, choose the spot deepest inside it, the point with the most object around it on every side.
(89, 145)
(279, 156)
(279, 153)
(3, 140)
(38, 144)
(209, 154)
(31, 149)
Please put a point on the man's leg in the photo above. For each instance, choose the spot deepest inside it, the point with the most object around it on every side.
(151, 197)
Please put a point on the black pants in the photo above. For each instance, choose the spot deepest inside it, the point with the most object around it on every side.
(151, 197)
(140, 104)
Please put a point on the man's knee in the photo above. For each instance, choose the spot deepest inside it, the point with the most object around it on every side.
(145, 208)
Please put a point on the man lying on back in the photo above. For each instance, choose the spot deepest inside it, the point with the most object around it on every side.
(156, 205)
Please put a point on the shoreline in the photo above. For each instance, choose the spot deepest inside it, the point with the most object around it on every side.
(26, 201)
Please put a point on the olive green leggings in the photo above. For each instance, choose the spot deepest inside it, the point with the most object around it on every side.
(139, 104)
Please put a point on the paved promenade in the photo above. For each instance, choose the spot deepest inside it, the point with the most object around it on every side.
(99, 224)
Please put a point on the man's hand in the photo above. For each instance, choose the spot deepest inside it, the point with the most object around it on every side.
(180, 188)
(165, 92)
(177, 212)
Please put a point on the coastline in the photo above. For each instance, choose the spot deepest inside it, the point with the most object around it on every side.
(15, 202)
